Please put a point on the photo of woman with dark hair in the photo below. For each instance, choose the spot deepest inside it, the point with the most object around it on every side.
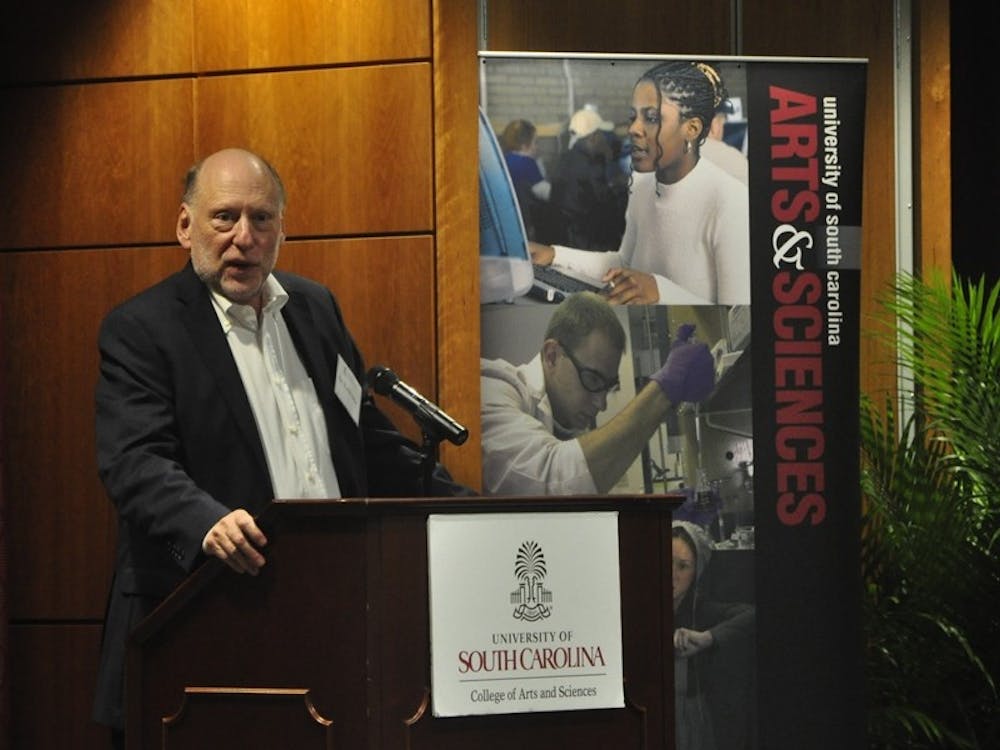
(686, 237)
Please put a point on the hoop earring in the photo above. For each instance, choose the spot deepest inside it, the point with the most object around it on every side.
(687, 147)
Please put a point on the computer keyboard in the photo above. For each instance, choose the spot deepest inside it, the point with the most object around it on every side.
(547, 275)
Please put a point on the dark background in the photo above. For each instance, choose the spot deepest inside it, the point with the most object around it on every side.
(975, 150)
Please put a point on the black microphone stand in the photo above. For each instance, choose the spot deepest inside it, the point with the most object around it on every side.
(435, 425)
(431, 443)
(433, 433)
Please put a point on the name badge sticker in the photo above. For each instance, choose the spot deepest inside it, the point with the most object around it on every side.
(348, 389)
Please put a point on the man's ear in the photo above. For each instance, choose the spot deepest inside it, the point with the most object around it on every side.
(184, 226)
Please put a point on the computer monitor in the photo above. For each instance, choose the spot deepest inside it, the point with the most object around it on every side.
(505, 270)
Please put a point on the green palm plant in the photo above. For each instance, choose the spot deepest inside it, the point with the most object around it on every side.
(931, 486)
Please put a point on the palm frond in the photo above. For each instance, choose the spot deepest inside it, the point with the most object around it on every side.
(930, 527)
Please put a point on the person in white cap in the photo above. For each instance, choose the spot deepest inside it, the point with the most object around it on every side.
(587, 121)
(587, 196)
(687, 237)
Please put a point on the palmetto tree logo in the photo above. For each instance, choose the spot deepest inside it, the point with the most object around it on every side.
(532, 599)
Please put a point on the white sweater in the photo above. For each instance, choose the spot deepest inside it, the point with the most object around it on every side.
(694, 237)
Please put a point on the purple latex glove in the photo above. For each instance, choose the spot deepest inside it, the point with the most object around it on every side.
(689, 372)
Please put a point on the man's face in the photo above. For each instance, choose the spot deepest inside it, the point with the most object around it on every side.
(597, 359)
(233, 227)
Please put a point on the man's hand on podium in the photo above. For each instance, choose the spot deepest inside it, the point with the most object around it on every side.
(235, 539)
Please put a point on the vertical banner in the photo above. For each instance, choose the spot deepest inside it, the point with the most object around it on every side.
(720, 198)
(806, 177)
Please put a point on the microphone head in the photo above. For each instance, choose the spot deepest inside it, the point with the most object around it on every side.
(381, 380)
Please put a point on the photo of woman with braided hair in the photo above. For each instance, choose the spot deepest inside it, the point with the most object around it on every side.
(686, 237)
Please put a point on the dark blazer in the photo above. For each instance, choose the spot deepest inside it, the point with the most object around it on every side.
(177, 443)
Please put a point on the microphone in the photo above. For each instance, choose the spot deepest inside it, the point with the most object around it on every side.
(386, 383)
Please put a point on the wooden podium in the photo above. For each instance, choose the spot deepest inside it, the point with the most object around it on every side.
(329, 647)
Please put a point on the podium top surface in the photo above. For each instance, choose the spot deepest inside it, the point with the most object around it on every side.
(480, 504)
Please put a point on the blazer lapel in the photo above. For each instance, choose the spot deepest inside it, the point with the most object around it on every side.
(301, 326)
(203, 327)
(310, 338)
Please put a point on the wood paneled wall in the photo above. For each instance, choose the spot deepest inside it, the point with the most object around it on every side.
(368, 111)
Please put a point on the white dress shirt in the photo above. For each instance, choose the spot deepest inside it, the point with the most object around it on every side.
(282, 396)
(693, 236)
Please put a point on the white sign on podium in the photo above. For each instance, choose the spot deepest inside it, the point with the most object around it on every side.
(525, 612)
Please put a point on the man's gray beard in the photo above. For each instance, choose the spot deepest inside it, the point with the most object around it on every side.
(214, 282)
